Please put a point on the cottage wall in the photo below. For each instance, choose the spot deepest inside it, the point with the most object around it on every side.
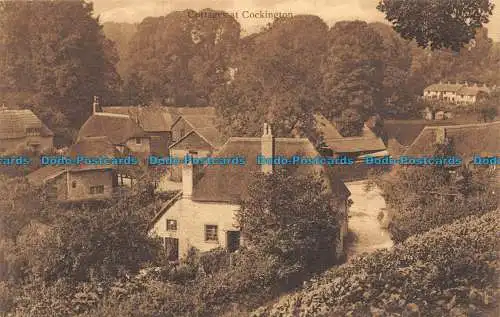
(191, 219)
(142, 147)
(17, 144)
(83, 180)
(159, 142)
(179, 129)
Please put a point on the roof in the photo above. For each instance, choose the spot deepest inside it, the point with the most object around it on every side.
(13, 124)
(91, 147)
(406, 131)
(117, 127)
(187, 110)
(205, 127)
(469, 139)
(368, 141)
(151, 119)
(461, 89)
(326, 128)
(356, 144)
(443, 87)
(229, 183)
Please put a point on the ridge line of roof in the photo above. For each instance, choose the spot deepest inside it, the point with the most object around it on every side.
(458, 126)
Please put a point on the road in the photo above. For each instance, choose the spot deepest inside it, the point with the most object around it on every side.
(365, 229)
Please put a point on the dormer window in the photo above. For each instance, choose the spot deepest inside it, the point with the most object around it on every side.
(138, 141)
(32, 131)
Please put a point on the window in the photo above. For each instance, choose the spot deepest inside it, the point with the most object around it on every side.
(171, 225)
(138, 141)
(73, 184)
(211, 233)
(182, 133)
(33, 131)
(99, 189)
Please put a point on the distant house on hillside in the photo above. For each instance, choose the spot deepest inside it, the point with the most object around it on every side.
(156, 122)
(21, 129)
(456, 93)
(203, 215)
(71, 183)
(120, 129)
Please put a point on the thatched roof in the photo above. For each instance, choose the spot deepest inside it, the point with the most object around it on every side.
(117, 127)
(229, 183)
(469, 139)
(13, 124)
(150, 119)
(90, 147)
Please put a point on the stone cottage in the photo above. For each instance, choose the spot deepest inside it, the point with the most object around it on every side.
(21, 130)
(203, 214)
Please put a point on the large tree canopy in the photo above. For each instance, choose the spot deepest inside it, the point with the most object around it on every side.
(437, 23)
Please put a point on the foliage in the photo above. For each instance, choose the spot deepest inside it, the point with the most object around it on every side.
(437, 24)
(276, 79)
(422, 198)
(56, 52)
(446, 271)
(488, 107)
(352, 70)
(180, 58)
(297, 227)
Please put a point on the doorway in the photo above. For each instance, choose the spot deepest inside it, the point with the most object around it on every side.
(232, 241)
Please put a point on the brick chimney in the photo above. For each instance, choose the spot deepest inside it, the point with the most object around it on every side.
(187, 180)
(267, 147)
(440, 135)
(95, 105)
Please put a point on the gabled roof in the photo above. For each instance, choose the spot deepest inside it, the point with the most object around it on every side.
(197, 111)
(13, 124)
(210, 134)
(90, 147)
(150, 119)
(117, 127)
(229, 183)
(469, 139)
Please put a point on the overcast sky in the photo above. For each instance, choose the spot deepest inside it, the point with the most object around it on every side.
(329, 10)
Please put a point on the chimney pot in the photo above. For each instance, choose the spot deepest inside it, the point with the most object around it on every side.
(95, 105)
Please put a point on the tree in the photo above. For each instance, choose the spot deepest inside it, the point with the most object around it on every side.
(423, 197)
(276, 80)
(181, 57)
(437, 24)
(57, 52)
(488, 107)
(295, 226)
(352, 70)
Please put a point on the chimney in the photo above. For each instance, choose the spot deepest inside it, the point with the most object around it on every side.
(187, 180)
(95, 105)
(267, 148)
(440, 135)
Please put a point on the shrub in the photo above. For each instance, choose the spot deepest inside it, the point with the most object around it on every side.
(451, 268)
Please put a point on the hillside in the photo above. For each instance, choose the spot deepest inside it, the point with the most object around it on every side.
(448, 271)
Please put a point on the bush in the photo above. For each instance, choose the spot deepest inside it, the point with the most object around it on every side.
(448, 269)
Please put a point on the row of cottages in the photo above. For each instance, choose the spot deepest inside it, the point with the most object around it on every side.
(75, 183)
(456, 93)
(202, 216)
(21, 130)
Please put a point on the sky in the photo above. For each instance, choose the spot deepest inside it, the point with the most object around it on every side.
(330, 11)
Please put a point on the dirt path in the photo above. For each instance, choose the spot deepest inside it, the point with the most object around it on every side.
(363, 224)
